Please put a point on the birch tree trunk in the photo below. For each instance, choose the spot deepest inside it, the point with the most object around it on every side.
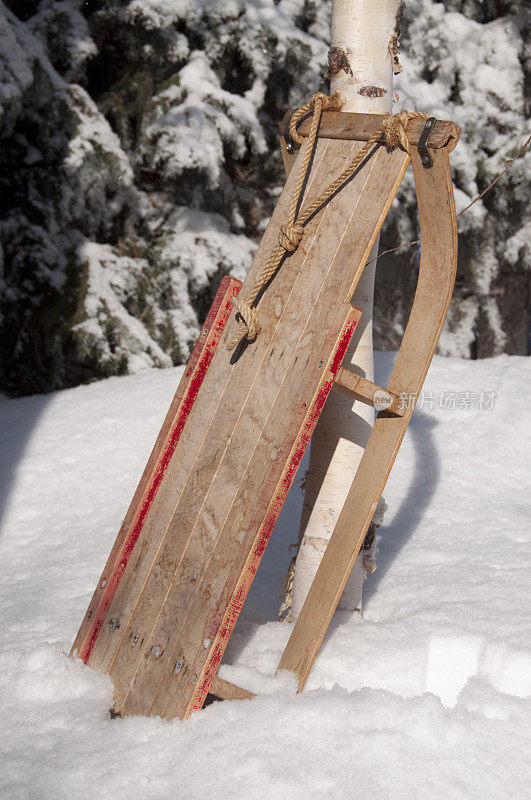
(362, 59)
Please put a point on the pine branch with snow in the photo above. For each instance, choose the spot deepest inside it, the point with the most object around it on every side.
(130, 130)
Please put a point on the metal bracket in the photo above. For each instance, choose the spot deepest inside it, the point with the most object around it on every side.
(422, 146)
(284, 130)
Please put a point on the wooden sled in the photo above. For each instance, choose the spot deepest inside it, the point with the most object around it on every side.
(191, 542)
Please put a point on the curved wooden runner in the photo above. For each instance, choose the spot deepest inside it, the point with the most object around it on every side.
(438, 264)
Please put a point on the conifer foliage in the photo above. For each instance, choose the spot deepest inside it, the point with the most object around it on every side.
(139, 164)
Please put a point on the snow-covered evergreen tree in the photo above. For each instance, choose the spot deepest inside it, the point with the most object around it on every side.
(140, 164)
(465, 60)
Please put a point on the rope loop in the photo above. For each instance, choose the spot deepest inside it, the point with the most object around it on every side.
(394, 128)
(289, 236)
(394, 131)
(320, 102)
(319, 97)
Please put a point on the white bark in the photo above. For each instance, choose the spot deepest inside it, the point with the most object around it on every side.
(363, 31)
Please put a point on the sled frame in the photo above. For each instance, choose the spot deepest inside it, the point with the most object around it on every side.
(145, 590)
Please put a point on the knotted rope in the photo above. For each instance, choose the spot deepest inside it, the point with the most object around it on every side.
(394, 131)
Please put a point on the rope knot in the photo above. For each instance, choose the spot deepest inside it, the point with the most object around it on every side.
(319, 102)
(249, 324)
(335, 102)
(319, 97)
(331, 102)
(289, 236)
(394, 130)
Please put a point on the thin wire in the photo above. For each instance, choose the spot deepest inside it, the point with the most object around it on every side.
(484, 192)
(523, 147)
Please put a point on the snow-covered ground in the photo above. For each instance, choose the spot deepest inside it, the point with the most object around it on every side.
(427, 696)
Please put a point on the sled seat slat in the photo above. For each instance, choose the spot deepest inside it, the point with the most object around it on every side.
(359, 388)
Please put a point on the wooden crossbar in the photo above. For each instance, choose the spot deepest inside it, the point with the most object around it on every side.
(360, 127)
(229, 691)
(345, 125)
(359, 388)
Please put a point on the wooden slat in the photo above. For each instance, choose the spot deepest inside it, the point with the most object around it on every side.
(229, 691)
(359, 388)
(223, 514)
(346, 125)
(432, 298)
(163, 449)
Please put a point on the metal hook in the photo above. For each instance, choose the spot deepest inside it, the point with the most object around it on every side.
(422, 146)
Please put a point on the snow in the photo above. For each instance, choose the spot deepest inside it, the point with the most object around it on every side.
(426, 696)
(111, 279)
(195, 118)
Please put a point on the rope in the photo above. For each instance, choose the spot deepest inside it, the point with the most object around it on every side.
(393, 129)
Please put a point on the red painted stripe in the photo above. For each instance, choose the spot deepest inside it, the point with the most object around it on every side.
(195, 372)
(274, 506)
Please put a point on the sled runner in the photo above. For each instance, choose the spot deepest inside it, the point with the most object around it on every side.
(191, 542)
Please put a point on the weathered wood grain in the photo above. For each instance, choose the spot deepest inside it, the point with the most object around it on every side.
(260, 525)
(227, 385)
(164, 627)
(176, 476)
